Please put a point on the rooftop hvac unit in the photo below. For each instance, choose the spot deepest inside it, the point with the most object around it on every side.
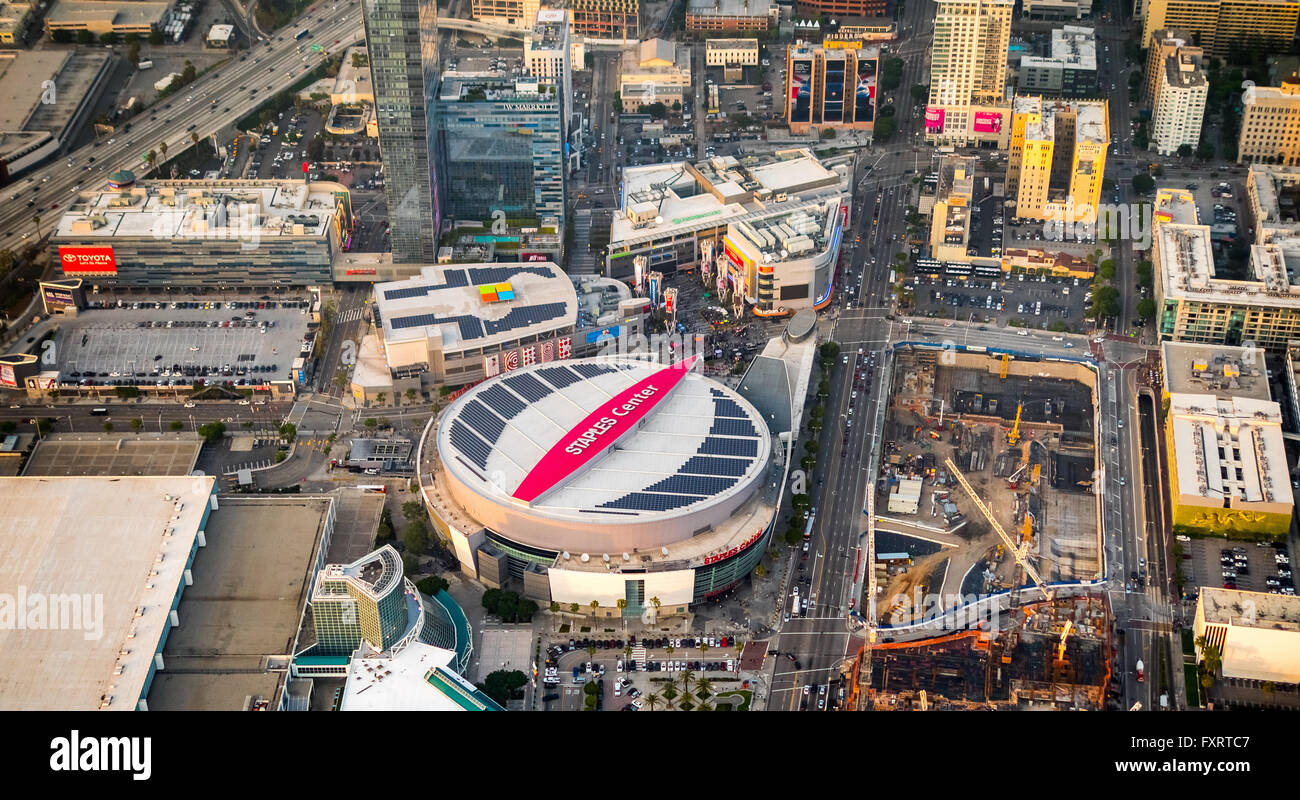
(566, 555)
(605, 557)
(584, 558)
(663, 551)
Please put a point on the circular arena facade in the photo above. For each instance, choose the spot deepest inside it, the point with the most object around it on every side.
(604, 480)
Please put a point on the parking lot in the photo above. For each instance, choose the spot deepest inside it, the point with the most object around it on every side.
(625, 677)
(1037, 302)
(176, 346)
(1248, 566)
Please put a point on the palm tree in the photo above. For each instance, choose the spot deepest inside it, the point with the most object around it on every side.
(36, 218)
(654, 601)
(591, 651)
(194, 137)
(704, 685)
(595, 604)
(687, 677)
(573, 608)
(704, 646)
(622, 604)
(410, 395)
(162, 148)
(380, 398)
(653, 700)
(151, 158)
(555, 612)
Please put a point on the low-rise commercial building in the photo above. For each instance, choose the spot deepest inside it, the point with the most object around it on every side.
(1270, 124)
(1069, 69)
(731, 52)
(654, 71)
(221, 233)
(776, 221)
(1058, 9)
(820, 79)
(1257, 635)
(32, 125)
(107, 16)
(515, 13)
(815, 9)
(458, 324)
(1274, 197)
(731, 16)
(605, 19)
(1179, 102)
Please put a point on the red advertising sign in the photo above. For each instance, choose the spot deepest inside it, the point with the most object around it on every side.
(735, 550)
(565, 347)
(361, 272)
(601, 428)
(491, 364)
(511, 359)
(82, 260)
(548, 352)
(7, 376)
(988, 122)
(534, 257)
(934, 119)
(530, 355)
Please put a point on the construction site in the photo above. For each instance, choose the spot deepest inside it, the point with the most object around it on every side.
(992, 458)
(1050, 655)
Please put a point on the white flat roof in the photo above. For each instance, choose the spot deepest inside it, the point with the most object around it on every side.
(1249, 430)
(401, 682)
(201, 209)
(116, 545)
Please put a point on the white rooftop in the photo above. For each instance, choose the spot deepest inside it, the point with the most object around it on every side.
(116, 549)
(1214, 436)
(416, 678)
(203, 209)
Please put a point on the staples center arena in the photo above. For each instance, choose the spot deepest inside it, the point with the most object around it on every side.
(604, 480)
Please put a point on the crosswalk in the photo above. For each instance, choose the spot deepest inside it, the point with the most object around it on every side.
(350, 314)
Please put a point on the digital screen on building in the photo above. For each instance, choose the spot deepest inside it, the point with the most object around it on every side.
(56, 298)
(83, 260)
(7, 376)
(833, 104)
(988, 122)
(864, 102)
(801, 90)
(934, 119)
(529, 257)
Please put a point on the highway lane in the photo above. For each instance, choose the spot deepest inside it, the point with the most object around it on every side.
(275, 63)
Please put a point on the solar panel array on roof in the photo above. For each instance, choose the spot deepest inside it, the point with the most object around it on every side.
(710, 465)
(470, 327)
(452, 279)
(559, 377)
(718, 446)
(524, 316)
(726, 407)
(478, 417)
(501, 401)
(502, 274)
(642, 501)
(730, 426)
(592, 370)
(528, 387)
(464, 440)
(692, 484)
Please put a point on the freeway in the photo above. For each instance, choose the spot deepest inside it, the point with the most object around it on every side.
(210, 105)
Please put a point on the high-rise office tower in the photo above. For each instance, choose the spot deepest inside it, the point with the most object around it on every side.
(1219, 26)
(968, 69)
(1179, 104)
(502, 143)
(1057, 158)
(402, 39)
(1270, 124)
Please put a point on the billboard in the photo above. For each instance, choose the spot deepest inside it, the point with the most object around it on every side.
(864, 101)
(934, 119)
(801, 90)
(529, 257)
(87, 260)
(511, 358)
(7, 376)
(57, 298)
(833, 94)
(564, 347)
(600, 429)
(491, 365)
(360, 272)
(988, 122)
(603, 334)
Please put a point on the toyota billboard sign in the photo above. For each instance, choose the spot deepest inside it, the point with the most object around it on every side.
(87, 260)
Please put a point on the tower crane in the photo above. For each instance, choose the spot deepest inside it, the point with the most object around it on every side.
(1020, 553)
(1065, 634)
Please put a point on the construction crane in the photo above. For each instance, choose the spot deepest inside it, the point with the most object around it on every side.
(925, 701)
(1020, 553)
(1065, 634)
(1027, 531)
(1006, 362)
(1013, 438)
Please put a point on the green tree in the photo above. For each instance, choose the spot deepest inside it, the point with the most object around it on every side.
(504, 685)
(1146, 308)
(137, 424)
(417, 537)
(1185, 151)
(1143, 183)
(885, 129)
(410, 395)
(828, 133)
(61, 36)
(212, 431)
(920, 92)
(432, 584)
(288, 432)
(188, 72)
(85, 37)
(155, 38)
(371, 422)
(1106, 270)
(412, 510)
(108, 427)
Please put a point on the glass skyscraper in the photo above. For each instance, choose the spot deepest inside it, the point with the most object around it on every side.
(402, 39)
(501, 142)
